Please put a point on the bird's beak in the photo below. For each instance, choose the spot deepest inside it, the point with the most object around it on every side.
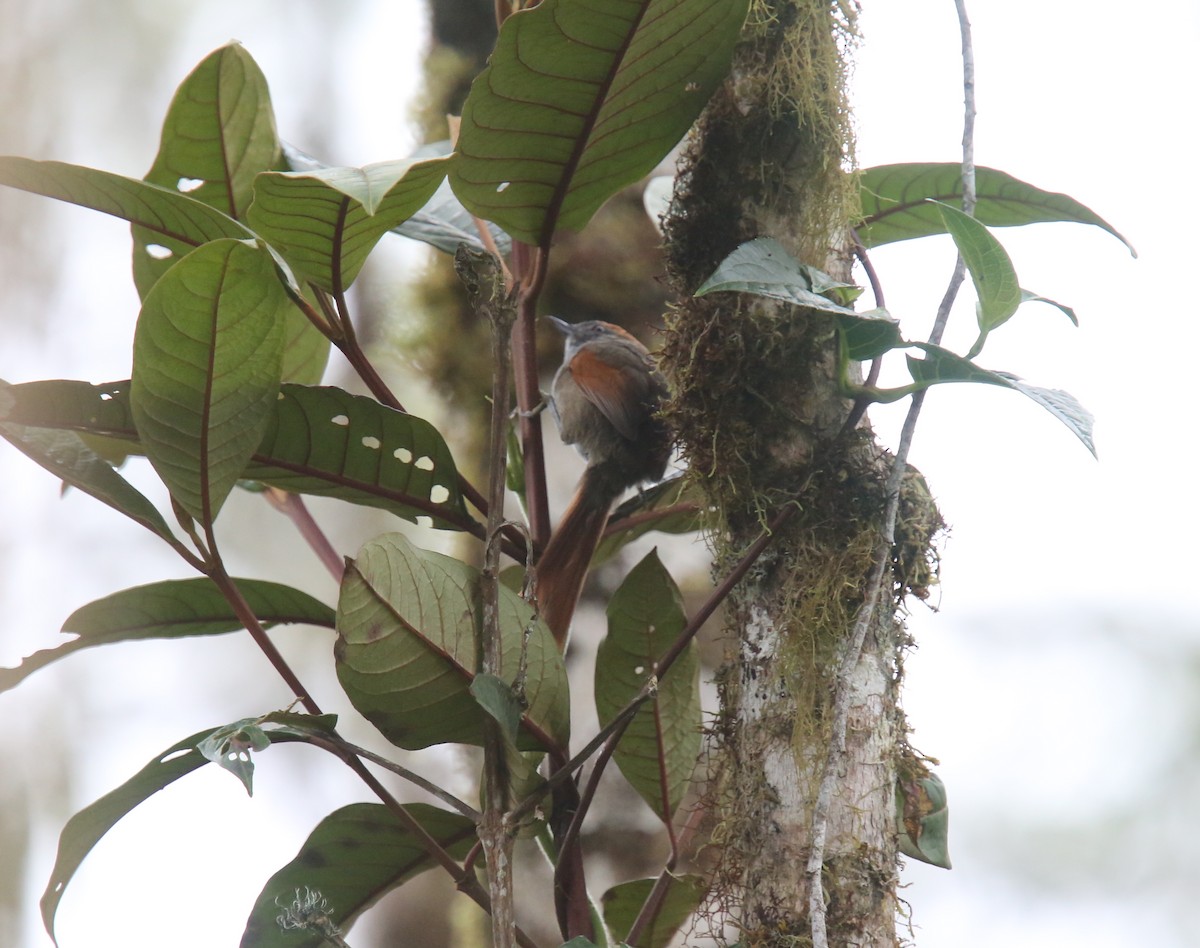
(561, 325)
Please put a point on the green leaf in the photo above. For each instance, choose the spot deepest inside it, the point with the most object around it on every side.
(218, 134)
(1030, 297)
(940, 365)
(326, 221)
(989, 265)
(177, 220)
(923, 818)
(623, 903)
(327, 442)
(87, 827)
(764, 267)
(64, 455)
(321, 441)
(230, 749)
(673, 506)
(172, 609)
(406, 650)
(496, 697)
(352, 858)
(206, 365)
(582, 98)
(895, 202)
(658, 751)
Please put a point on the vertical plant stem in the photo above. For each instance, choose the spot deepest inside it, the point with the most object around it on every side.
(485, 287)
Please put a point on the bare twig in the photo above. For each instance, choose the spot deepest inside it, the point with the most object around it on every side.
(852, 650)
(293, 507)
(529, 267)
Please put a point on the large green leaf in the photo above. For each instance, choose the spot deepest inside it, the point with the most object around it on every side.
(170, 216)
(406, 651)
(87, 827)
(896, 202)
(353, 857)
(764, 267)
(321, 441)
(326, 221)
(991, 269)
(172, 609)
(941, 365)
(219, 132)
(623, 903)
(658, 750)
(582, 97)
(207, 358)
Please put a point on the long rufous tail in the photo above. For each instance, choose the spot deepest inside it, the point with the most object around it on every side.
(564, 563)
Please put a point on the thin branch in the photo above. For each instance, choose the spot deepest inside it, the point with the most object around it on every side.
(335, 744)
(863, 620)
(529, 266)
(293, 507)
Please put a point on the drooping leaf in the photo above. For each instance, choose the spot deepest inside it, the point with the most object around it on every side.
(406, 650)
(352, 858)
(1030, 297)
(764, 267)
(207, 357)
(941, 365)
(923, 818)
(64, 455)
(321, 441)
(442, 223)
(230, 749)
(172, 609)
(623, 903)
(895, 202)
(219, 132)
(996, 286)
(673, 506)
(658, 751)
(326, 221)
(582, 97)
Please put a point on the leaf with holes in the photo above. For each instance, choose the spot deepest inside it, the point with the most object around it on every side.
(172, 609)
(328, 442)
(321, 441)
(658, 751)
(991, 270)
(207, 357)
(406, 650)
(326, 221)
(582, 97)
(764, 267)
(895, 202)
(623, 903)
(353, 857)
(941, 365)
(219, 132)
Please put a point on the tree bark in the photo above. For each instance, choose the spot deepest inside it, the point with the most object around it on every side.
(760, 418)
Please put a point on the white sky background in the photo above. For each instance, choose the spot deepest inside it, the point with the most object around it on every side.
(1061, 575)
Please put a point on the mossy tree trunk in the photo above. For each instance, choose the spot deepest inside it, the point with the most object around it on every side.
(763, 426)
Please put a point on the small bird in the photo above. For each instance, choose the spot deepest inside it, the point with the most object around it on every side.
(605, 398)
